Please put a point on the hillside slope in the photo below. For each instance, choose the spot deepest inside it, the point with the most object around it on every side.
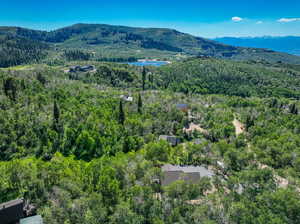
(214, 76)
(18, 50)
(120, 41)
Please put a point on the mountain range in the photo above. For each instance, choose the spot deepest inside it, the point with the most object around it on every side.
(20, 45)
(287, 44)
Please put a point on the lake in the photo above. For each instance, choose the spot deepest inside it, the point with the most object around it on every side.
(149, 63)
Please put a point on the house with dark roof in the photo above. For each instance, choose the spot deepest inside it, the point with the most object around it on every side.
(11, 212)
(17, 212)
(85, 68)
(189, 174)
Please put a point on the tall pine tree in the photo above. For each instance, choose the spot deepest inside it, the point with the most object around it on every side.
(121, 113)
(140, 104)
(293, 109)
(150, 78)
(144, 74)
(10, 88)
(56, 116)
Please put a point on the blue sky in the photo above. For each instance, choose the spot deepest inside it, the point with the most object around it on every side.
(206, 18)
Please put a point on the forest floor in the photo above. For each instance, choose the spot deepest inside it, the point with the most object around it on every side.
(194, 127)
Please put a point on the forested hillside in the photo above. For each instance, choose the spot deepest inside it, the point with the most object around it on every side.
(73, 147)
(225, 77)
(104, 42)
(16, 50)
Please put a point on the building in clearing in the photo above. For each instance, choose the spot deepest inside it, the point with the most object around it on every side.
(126, 98)
(189, 174)
(85, 68)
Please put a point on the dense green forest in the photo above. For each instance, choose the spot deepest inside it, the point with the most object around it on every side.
(75, 149)
(16, 51)
(243, 79)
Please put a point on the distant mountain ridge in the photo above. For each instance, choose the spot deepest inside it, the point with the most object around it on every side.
(288, 44)
(120, 41)
(87, 35)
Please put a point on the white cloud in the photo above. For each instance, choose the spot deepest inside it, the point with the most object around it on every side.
(259, 22)
(288, 20)
(236, 19)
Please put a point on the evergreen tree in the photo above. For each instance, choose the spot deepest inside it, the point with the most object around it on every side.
(274, 102)
(126, 144)
(56, 112)
(56, 116)
(150, 77)
(121, 113)
(112, 78)
(249, 122)
(140, 104)
(10, 88)
(293, 109)
(74, 55)
(144, 74)
(41, 79)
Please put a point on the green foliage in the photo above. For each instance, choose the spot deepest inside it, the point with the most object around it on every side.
(85, 146)
(211, 76)
(140, 104)
(271, 207)
(10, 88)
(17, 50)
(115, 43)
(41, 79)
(144, 74)
(56, 115)
(159, 151)
(70, 146)
(121, 113)
(76, 55)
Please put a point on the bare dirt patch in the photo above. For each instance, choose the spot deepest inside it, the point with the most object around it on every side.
(239, 127)
(194, 127)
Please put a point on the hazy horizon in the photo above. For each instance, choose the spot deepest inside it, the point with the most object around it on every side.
(216, 37)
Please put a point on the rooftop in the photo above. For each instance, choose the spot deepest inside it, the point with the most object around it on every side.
(204, 172)
(11, 212)
(11, 204)
(189, 174)
(32, 220)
